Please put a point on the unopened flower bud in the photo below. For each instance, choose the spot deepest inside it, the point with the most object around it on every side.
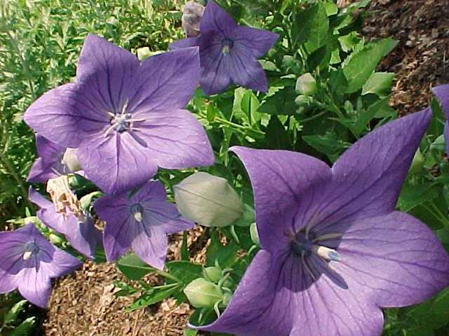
(145, 52)
(202, 293)
(191, 17)
(70, 160)
(306, 85)
(213, 274)
(208, 200)
(254, 234)
(417, 163)
(55, 239)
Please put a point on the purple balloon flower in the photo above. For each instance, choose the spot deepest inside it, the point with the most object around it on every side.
(334, 250)
(229, 52)
(442, 93)
(28, 262)
(126, 118)
(141, 222)
(80, 231)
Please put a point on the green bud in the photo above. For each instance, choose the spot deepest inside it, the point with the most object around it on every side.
(247, 218)
(55, 239)
(303, 101)
(254, 234)
(208, 200)
(213, 274)
(203, 294)
(145, 52)
(306, 85)
(417, 163)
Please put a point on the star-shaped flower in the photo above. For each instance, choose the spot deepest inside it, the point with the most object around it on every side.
(79, 229)
(140, 221)
(229, 52)
(442, 93)
(28, 262)
(126, 118)
(333, 249)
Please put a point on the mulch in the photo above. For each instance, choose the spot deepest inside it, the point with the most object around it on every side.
(85, 303)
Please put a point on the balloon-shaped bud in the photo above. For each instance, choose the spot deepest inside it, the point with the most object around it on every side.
(213, 273)
(191, 17)
(208, 200)
(417, 163)
(306, 85)
(202, 293)
(70, 160)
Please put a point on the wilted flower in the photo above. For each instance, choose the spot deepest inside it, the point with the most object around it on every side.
(229, 52)
(333, 250)
(442, 93)
(125, 118)
(28, 262)
(202, 293)
(52, 162)
(191, 17)
(76, 226)
(208, 200)
(140, 221)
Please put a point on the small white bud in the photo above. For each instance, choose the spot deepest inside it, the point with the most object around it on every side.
(208, 200)
(306, 85)
(202, 293)
(70, 160)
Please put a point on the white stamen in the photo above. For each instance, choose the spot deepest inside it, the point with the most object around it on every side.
(326, 253)
(27, 255)
(225, 50)
(138, 216)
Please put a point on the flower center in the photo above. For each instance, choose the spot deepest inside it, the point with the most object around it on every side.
(226, 45)
(137, 211)
(121, 121)
(31, 249)
(303, 244)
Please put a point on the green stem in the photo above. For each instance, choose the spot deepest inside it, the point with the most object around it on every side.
(241, 127)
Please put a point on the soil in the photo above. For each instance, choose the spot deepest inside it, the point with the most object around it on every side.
(85, 303)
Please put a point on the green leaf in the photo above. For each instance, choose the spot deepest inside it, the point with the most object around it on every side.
(225, 255)
(184, 271)
(361, 65)
(11, 316)
(379, 84)
(433, 314)
(319, 27)
(133, 268)
(153, 296)
(280, 102)
(25, 328)
(276, 135)
(366, 116)
(329, 144)
(414, 194)
(190, 332)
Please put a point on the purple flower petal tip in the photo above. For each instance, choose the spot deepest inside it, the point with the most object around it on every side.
(125, 115)
(80, 232)
(229, 52)
(140, 222)
(28, 262)
(334, 251)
